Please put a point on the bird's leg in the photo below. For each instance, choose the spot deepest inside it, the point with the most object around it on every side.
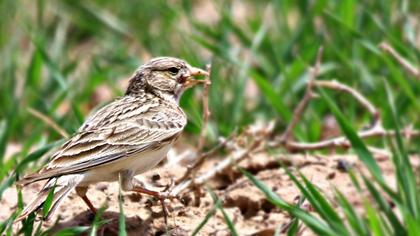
(81, 192)
(128, 183)
(158, 195)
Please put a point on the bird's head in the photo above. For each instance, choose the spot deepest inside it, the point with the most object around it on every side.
(166, 76)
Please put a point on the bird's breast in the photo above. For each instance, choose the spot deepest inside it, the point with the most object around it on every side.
(138, 163)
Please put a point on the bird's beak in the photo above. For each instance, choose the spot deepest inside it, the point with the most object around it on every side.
(193, 71)
(197, 71)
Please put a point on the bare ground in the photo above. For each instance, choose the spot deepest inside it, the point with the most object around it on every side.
(251, 213)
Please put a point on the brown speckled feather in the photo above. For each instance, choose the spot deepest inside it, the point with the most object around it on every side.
(122, 128)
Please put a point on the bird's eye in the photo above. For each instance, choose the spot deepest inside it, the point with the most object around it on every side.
(173, 70)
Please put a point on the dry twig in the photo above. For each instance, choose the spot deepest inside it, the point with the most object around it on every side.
(192, 169)
(342, 142)
(403, 62)
(309, 94)
(375, 130)
(258, 135)
(48, 121)
(199, 180)
(206, 110)
(335, 85)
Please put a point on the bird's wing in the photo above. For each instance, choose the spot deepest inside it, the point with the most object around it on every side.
(127, 126)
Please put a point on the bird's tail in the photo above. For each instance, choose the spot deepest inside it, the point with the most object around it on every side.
(60, 185)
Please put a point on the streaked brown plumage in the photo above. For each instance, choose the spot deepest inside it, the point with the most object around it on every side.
(127, 137)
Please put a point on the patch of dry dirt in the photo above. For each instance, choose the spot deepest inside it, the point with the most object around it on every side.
(251, 213)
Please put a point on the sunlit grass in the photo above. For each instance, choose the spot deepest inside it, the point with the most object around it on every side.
(55, 55)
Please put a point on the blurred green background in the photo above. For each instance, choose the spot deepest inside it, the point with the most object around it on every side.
(64, 58)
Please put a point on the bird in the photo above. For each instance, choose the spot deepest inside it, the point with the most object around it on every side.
(127, 137)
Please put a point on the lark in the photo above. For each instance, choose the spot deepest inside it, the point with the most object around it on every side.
(124, 138)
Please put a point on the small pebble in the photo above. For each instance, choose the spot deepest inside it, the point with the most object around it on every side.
(331, 175)
(343, 165)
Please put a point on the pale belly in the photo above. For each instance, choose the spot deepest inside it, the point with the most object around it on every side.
(139, 163)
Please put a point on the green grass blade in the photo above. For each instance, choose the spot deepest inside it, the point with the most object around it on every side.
(52, 67)
(271, 95)
(20, 203)
(357, 144)
(30, 158)
(384, 206)
(309, 220)
(79, 115)
(4, 224)
(33, 75)
(8, 165)
(208, 216)
(121, 219)
(39, 232)
(28, 225)
(354, 180)
(36, 155)
(48, 201)
(356, 223)
(228, 221)
(295, 226)
(400, 79)
(96, 224)
(104, 17)
(3, 138)
(374, 221)
(413, 226)
(7, 183)
(73, 231)
(320, 203)
(404, 168)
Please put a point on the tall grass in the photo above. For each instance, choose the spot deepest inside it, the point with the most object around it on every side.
(379, 217)
(57, 54)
